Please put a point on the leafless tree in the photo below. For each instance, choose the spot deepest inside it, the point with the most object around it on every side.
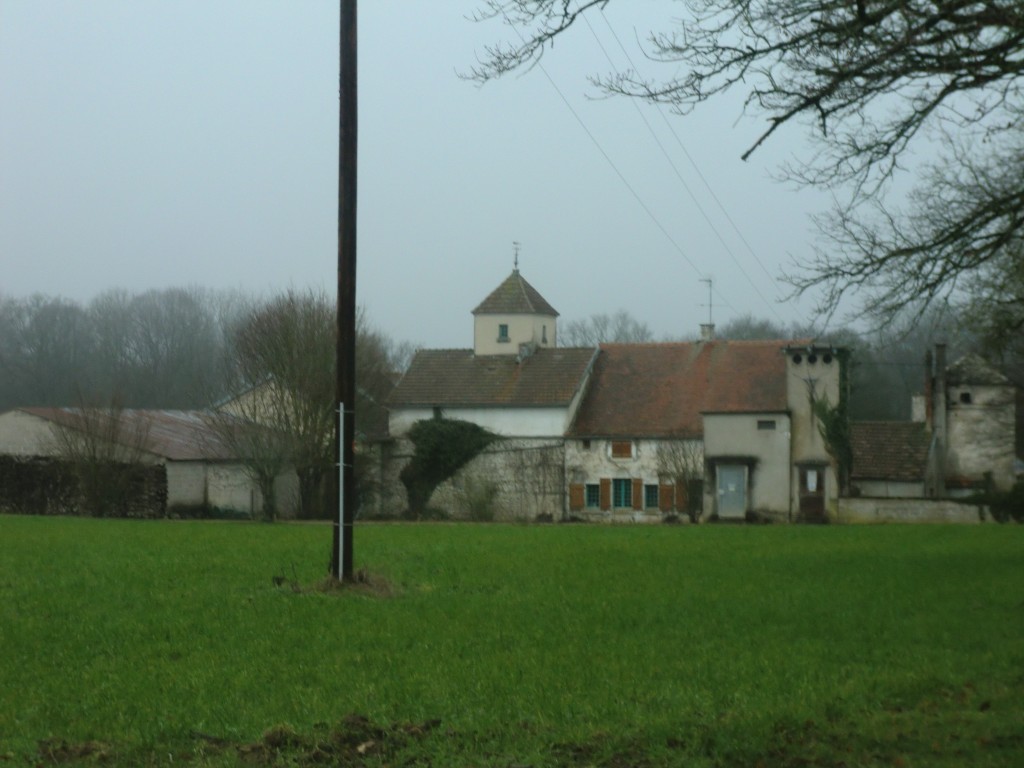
(602, 327)
(283, 356)
(683, 462)
(104, 447)
(45, 351)
(263, 451)
(877, 84)
(282, 361)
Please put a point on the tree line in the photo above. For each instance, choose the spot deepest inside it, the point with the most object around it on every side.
(172, 348)
(180, 348)
(263, 368)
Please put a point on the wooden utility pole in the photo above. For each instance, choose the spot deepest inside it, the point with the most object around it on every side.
(345, 384)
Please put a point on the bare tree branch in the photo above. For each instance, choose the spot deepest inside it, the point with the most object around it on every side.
(871, 81)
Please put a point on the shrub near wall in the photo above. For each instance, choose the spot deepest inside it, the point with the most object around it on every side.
(43, 486)
(35, 486)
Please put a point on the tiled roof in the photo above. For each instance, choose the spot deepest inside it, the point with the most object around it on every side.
(515, 296)
(457, 377)
(972, 369)
(175, 435)
(661, 390)
(889, 450)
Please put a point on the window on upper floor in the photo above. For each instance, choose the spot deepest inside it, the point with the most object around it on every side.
(622, 449)
(766, 423)
(965, 398)
(503, 332)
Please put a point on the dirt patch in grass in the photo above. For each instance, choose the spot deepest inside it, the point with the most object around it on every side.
(354, 741)
(363, 583)
(61, 752)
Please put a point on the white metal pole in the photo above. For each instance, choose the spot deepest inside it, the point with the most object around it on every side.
(341, 489)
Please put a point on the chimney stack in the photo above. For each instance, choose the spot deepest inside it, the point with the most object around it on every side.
(707, 331)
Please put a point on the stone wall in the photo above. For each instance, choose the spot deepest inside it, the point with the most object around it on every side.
(863, 510)
(512, 479)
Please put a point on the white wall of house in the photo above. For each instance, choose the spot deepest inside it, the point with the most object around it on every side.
(508, 422)
(522, 329)
(226, 487)
(186, 484)
(587, 462)
(812, 375)
(761, 443)
(980, 424)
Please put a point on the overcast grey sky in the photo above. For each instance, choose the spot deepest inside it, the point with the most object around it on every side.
(154, 143)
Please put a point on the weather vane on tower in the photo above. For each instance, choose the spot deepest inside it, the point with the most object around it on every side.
(515, 255)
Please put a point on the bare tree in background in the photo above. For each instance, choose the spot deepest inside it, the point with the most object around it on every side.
(283, 354)
(683, 461)
(264, 452)
(282, 361)
(877, 85)
(601, 328)
(104, 447)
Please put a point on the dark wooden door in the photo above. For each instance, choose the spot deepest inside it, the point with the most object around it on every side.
(812, 495)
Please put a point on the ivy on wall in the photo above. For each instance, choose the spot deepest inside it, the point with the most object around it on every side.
(443, 446)
(834, 424)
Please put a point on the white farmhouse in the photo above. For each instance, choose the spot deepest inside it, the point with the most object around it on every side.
(633, 432)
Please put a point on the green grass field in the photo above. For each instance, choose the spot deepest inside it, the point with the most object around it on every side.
(168, 643)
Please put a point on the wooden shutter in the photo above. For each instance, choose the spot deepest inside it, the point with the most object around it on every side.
(576, 496)
(606, 494)
(622, 449)
(666, 497)
(682, 497)
(638, 493)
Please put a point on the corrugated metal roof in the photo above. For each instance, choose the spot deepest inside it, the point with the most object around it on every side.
(174, 435)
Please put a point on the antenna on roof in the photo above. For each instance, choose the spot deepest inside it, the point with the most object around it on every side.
(515, 254)
(710, 305)
(707, 330)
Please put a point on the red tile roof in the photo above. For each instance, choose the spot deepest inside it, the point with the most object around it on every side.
(889, 450)
(661, 390)
(174, 435)
(457, 377)
(515, 296)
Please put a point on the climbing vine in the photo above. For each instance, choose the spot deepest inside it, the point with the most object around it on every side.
(443, 446)
(834, 424)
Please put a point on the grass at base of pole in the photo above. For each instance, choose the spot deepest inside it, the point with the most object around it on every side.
(209, 643)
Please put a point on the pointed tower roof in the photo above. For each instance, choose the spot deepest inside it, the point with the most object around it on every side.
(515, 296)
(973, 369)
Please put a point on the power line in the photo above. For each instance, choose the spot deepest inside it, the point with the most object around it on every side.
(679, 175)
(615, 168)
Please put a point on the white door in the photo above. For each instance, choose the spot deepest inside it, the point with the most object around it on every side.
(732, 491)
